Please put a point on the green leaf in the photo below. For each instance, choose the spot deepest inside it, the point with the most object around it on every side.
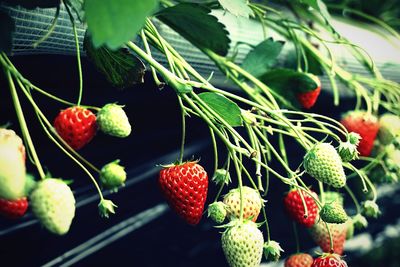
(262, 57)
(7, 28)
(227, 109)
(288, 83)
(314, 66)
(193, 22)
(121, 68)
(114, 22)
(237, 7)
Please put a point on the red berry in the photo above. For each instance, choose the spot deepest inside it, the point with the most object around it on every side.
(329, 260)
(13, 209)
(295, 208)
(185, 188)
(76, 125)
(299, 260)
(366, 125)
(308, 99)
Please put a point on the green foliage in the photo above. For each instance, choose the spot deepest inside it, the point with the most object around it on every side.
(288, 83)
(259, 60)
(193, 22)
(112, 23)
(227, 109)
(237, 7)
(7, 28)
(121, 68)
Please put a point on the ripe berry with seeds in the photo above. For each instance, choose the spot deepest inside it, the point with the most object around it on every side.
(295, 208)
(76, 126)
(185, 187)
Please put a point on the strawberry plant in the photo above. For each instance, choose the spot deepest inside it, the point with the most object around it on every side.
(272, 107)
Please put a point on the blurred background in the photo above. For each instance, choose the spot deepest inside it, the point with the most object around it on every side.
(144, 231)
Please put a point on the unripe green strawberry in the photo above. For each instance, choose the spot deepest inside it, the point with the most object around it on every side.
(112, 120)
(370, 209)
(53, 204)
(217, 211)
(112, 175)
(389, 128)
(12, 172)
(242, 243)
(331, 196)
(333, 213)
(272, 251)
(252, 203)
(348, 150)
(324, 164)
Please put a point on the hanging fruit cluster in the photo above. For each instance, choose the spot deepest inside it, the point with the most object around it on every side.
(365, 145)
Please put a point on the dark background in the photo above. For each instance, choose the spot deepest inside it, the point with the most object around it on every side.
(155, 139)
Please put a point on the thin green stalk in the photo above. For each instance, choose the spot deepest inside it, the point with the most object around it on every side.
(183, 119)
(78, 54)
(215, 148)
(148, 51)
(50, 30)
(353, 197)
(23, 125)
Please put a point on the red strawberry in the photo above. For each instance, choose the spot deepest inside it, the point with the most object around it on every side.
(76, 125)
(299, 260)
(308, 99)
(13, 209)
(294, 206)
(320, 235)
(366, 125)
(185, 188)
(329, 260)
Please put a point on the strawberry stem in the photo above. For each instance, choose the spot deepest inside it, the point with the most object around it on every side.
(22, 123)
(148, 51)
(330, 237)
(183, 114)
(215, 148)
(50, 30)
(78, 54)
(353, 197)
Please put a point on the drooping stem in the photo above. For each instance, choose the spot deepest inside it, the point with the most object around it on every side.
(183, 115)
(23, 125)
(78, 54)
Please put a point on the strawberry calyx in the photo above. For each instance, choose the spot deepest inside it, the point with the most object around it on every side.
(177, 163)
(272, 250)
(106, 207)
(221, 176)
